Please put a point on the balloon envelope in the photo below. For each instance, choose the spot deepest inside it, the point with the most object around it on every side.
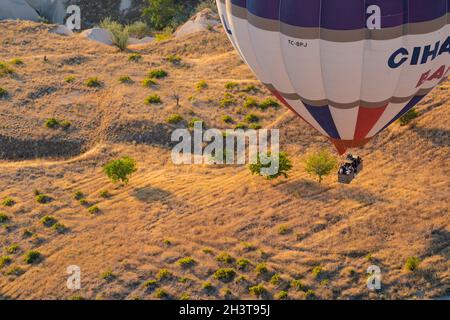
(348, 68)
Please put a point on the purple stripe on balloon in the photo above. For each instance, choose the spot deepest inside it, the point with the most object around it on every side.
(345, 15)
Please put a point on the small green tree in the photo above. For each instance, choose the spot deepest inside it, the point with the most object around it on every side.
(160, 13)
(265, 161)
(321, 164)
(120, 169)
(408, 117)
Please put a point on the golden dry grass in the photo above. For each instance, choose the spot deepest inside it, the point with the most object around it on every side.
(396, 209)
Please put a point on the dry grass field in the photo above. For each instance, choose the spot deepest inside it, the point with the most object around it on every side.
(269, 233)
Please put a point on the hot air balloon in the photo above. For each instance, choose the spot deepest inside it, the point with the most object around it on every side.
(348, 68)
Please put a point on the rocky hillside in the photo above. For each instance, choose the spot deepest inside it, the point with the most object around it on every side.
(201, 232)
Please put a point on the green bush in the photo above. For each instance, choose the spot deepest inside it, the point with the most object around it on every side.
(69, 79)
(255, 126)
(43, 198)
(251, 118)
(153, 99)
(78, 195)
(408, 117)
(225, 258)
(227, 119)
(94, 210)
(48, 221)
(174, 119)
(257, 290)
(119, 33)
(228, 101)
(191, 123)
(148, 83)
(4, 261)
(261, 269)
(241, 126)
(14, 248)
(284, 230)
(52, 123)
(269, 103)
(251, 102)
(317, 271)
(185, 296)
(321, 163)
(202, 85)
(174, 59)
(251, 89)
(60, 228)
(158, 74)
(161, 293)
(125, 79)
(5, 69)
(164, 274)
(151, 284)
(186, 262)
(65, 124)
(135, 57)
(412, 263)
(108, 276)
(310, 295)
(3, 93)
(297, 285)
(93, 82)
(282, 295)
(120, 169)
(104, 194)
(32, 257)
(231, 85)
(207, 285)
(15, 271)
(243, 263)
(16, 61)
(161, 13)
(138, 30)
(166, 34)
(224, 274)
(284, 165)
(275, 280)
(8, 202)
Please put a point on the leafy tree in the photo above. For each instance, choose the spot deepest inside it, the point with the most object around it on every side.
(120, 169)
(160, 13)
(284, 165)
(321, 164)
(408, 117)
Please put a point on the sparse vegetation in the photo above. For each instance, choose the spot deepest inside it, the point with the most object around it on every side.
(135, 57)
(16, 62)
(153, 99)
(151, 284)
(297, 285)
(265, 162)
(167, 242)
(8, 202)
(138, 29)
(261, 269)
(175, 119)
(185, 296)
(12, 249)
(187, 262)
(227, 119)
(310, 295)
(191, 123)
(104, 194)
(251, 88)
(70, 79)
(269, 103)
(158, 74)
(250, 102)
(257, 290)
(282, 295)
(408, 117)
(174, 59)
(228, 101)
(225, 258)
(164, 274)
(60, 228)
(52, 123)
(275, 280)
(231, 85)
(120, 33)
(78, 195)
(284, 230)
(148, 83)
(412, 264)
(3, 93)
(243, 263)
(207, 251)
(125, 79)
(93, 82)
(108, 276)
(93, 209)
(320, 164)
(240, 126)
(207, 285)
(202, 85)
(5, 69)
(4, 261)
(43, 198)
(161, 293)
(317, 271)
(224, 274)
(33, 257)
(120, 169)
(251, 118)
(15, 271)
(48, 221)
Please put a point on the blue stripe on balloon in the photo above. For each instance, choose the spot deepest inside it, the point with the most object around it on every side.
(345, 15)
(414, 101)
(324, 118)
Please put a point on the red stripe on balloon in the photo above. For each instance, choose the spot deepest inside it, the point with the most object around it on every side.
(343, 145)
(367, 118)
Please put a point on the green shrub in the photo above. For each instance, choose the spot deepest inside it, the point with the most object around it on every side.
(104, 194)
(60, 228)
(408, 117)
(321, 164)
(191, 123)
(269, 103)
(282, 295)
(14, 248)
(297, 285)
(148, 83)
(261, 269)
(202, 85)
(69, 79)
(27, 233)
(5, 69)
(284, 230)
(251, 89)
(275, 280)
(240, 126)
(174, 59)
(251, 118)
(284, 165)
(125, 79)
(228, 101)
(138, 30)
(77, 297)
(310, 295)
(32, 257)
(153, 99)
(224, 274)
(93, 82)
(108, 276)
(250, 102)
(43, 198)
(94, 210)
(257, 290)
(167, 242)
(174, 119)
(151, 284)
(186, 262)
(207, 251)
(225, 258)
(65, 124)
(231, 85)
(4, 261)
(166, 34)
(8, 202)
(135, 57)
(3, 93)
(164, 274)
(412, 263)
(207, 285)
(255, 126)
(16, 61)
(243, 263)
(316, 271)
(161, 13)
(120, 169)
(227, 119)
(52, 123)
(185, 296)
(161, 293)
(48, 221)
(158, 74)
(78, 195)
(119, 33)
(15, 271)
